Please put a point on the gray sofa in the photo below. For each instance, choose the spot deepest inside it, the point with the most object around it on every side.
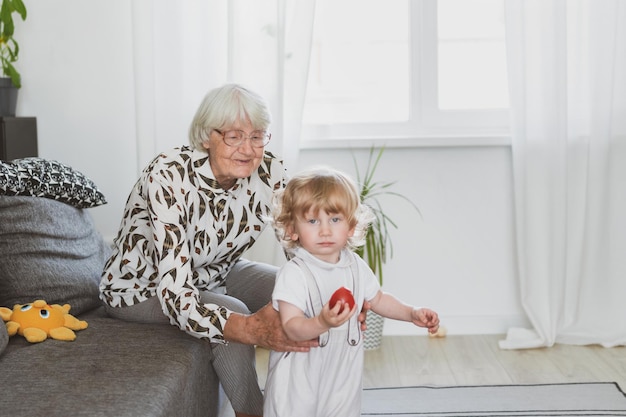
(49, 249)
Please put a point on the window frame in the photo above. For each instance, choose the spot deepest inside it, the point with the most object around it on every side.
(427, 125)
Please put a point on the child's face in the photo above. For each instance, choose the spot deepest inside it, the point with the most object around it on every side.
(323, 234)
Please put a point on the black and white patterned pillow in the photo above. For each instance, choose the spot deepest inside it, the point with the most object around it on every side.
(10, 183)
(40, 177)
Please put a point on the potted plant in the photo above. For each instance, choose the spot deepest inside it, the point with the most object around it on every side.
(378, 247)
(10, 81)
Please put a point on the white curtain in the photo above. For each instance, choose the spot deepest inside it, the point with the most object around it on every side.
(270, 50)
(182, 49)
(179, 53)
(567, 70)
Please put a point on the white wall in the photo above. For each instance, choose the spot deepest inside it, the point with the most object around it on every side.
(77, 71)
(77, 80)
(458, 258)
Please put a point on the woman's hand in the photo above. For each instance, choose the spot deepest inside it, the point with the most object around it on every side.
(363, 314)
(263, 328)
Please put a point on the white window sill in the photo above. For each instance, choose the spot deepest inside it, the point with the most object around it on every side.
(409, 142)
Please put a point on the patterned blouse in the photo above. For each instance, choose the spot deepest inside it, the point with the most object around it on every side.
(181, 233)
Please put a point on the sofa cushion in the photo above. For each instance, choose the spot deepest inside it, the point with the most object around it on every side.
(113, 368)
(40, 177)
(49, 250)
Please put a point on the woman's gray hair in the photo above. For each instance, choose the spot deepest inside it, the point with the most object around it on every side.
(222, 107)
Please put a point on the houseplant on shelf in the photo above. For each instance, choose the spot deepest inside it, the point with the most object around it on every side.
(378, 247)
(11, 80)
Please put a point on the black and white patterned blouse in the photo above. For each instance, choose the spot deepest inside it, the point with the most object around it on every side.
(181, 232)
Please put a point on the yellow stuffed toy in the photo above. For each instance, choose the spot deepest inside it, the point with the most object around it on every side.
(38, 320)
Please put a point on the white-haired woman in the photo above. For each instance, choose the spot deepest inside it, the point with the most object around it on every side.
(187, 221)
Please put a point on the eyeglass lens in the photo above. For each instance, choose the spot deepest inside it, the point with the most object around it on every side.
(258, 138)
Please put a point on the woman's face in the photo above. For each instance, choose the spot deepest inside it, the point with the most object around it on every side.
(229, 163)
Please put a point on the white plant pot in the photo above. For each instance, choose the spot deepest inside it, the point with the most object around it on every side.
(373, 336)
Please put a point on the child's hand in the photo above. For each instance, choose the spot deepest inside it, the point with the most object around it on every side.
(336, 316)
(425, 317)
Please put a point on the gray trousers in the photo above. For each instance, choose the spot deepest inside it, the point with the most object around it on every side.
(249, 286)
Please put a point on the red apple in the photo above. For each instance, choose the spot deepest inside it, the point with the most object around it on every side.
(342, 294)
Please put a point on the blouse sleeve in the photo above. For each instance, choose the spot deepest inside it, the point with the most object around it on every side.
(177, 293)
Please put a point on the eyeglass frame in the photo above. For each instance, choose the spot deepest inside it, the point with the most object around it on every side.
(266, 135)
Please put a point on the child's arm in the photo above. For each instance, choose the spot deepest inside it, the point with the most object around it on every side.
(299, 327)
(389, 306)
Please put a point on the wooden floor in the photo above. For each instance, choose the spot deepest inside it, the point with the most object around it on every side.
(477, 360)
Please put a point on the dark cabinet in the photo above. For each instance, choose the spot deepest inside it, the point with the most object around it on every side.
(18, 137)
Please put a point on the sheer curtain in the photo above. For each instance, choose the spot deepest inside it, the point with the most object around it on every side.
(179, 53)
(183, 49)
(269, 51)
(567, 69)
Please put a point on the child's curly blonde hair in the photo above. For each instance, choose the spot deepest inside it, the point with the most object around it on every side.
(320, 188)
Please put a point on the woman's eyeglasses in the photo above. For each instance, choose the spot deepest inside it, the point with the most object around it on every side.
(258, 138)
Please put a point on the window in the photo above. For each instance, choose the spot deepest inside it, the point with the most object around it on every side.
(411, 71)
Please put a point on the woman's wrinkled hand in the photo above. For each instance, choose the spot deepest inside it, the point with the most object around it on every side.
(363, 315)
(264, 329)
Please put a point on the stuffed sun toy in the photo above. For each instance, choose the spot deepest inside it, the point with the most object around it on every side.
(38, 320)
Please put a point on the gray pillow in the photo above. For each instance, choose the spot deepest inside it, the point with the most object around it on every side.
(4, 337)
(40, 177)
(49, 250)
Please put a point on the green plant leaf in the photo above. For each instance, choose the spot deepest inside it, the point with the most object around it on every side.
(378, 247)
(12, 73)
(20, 8)
(9, 48)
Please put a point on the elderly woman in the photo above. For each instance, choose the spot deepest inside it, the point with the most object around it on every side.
(187, 221)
